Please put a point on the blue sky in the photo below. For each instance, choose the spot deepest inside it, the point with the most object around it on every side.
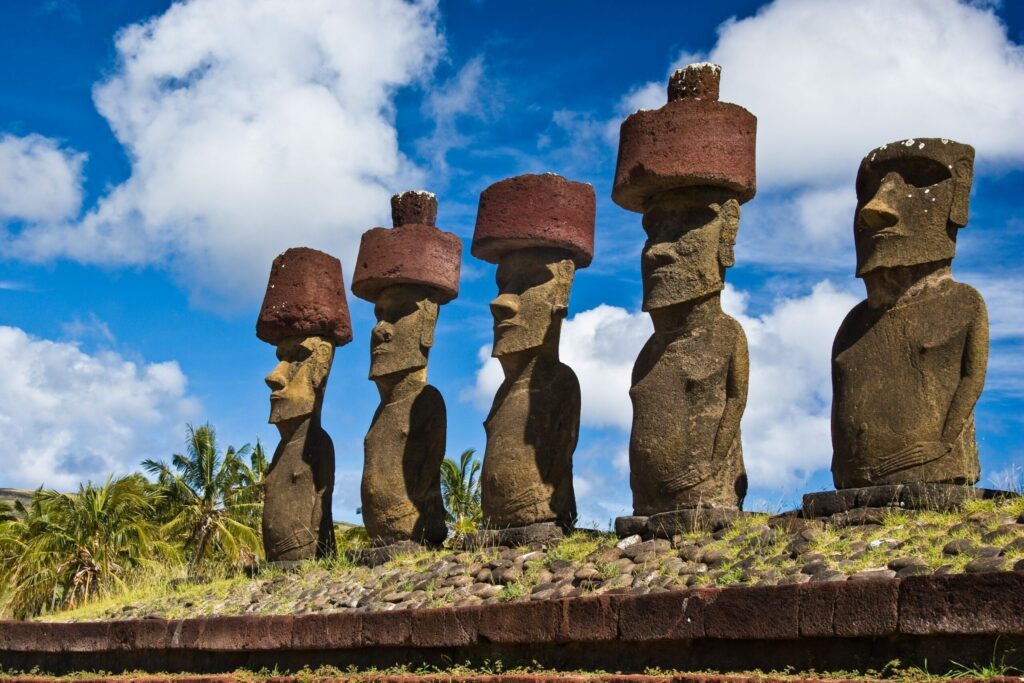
(154, 159)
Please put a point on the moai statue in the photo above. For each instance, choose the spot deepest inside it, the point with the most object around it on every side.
(305, 315)
(687, 167)
(908, 363)
(407, 271)
(539, 229)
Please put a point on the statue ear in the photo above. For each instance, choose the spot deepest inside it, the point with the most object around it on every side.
(729, 213)
(323, 355)
(564, 271)
(429, 321)
(963, 176)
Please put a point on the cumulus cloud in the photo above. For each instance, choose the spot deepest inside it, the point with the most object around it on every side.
(828, 81)
(39, 180)
(67, 416)
(251, 127)
(832, 80)
(786, 434)
(786, 424)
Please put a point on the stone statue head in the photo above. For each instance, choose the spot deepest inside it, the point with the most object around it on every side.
(533, 299)
(690, 243)
(298, 382)
(404, 333)
(912, 197)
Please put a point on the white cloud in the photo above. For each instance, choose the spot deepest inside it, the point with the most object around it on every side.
(786, 435)
(830, 80)
(251, 127)
(67, 416)
(39, 181)
(1004, 298)
(444, 105)
(786, 424)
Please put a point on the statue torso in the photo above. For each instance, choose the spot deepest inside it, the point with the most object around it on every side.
(531, 435)
(401, 490)
(894, 375)
(679, 396)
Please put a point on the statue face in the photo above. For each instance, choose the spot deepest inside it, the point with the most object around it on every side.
(533, 286)
(404, 332)
(300, 377)
(687, 252)
(908, 211)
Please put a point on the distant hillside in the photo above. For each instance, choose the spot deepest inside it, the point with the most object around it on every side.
(12, 495)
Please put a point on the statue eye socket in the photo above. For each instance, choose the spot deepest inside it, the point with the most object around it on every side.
(925, 173)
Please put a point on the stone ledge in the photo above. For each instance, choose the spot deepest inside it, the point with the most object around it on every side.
(496, 678)
(919, 496)
(811, 615)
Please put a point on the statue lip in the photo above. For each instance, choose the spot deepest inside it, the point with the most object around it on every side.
(885, 233)
(274, 396)
(505, 325)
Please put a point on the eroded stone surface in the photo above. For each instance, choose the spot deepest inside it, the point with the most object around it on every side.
(407, 271)
(908, 363)
(536, 210)
(687, 167)
(305, 297)
(692, 141)
(538, 229)
(305, 315)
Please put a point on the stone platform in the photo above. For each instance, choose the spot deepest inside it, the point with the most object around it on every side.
(933, 621)
(860, 502)
(514, 536)
(380, 554)
(668, 524)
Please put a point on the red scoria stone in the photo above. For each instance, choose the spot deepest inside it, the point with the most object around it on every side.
(414, 206)
(409, 253)
(535, 211)
(692, 141)
(305, 297)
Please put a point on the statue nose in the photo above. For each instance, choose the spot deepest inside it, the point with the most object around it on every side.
(505, 306)
(276, 379)
(658, 255)
(877, 215)
(382, 332)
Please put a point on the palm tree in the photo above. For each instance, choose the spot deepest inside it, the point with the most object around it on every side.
(211, 498)
(460, 489)
(66, 548)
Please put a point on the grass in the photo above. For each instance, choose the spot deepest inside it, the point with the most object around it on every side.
(162, 590)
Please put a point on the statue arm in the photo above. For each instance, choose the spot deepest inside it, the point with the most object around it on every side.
(563, 428)
(435, 440)
(972, 378)
(736, 383)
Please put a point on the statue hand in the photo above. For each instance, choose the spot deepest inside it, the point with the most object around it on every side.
(913, 455)
(690, 477)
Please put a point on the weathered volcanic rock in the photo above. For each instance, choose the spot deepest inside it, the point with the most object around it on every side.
(305, 298)
(536, 211)
(413, 252)
(692, 141)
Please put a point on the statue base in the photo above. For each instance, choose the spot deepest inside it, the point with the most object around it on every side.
(379, 554)
(512, 537)
(668, 524)
(915, 496)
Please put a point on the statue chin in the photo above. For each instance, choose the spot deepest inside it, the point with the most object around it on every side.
(385, 364)
(665, 293)
(285, 410)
